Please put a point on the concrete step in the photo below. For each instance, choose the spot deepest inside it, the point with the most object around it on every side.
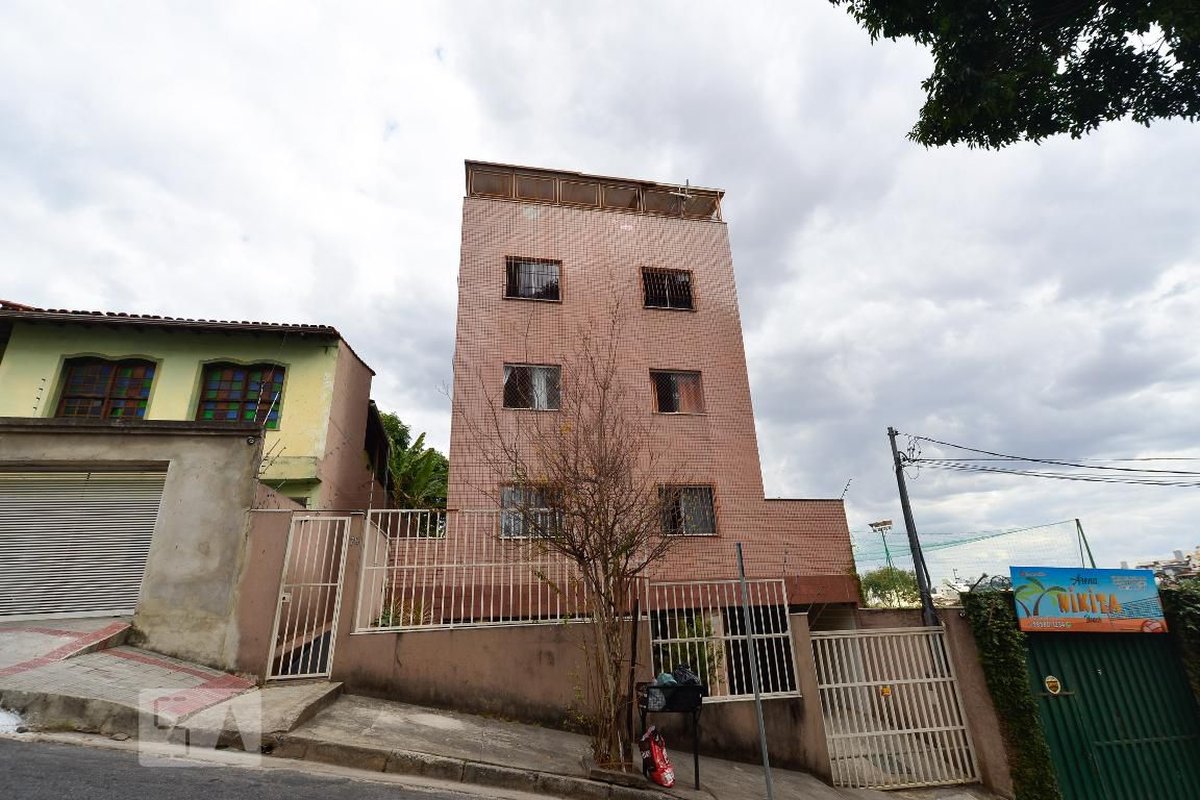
(266, 714)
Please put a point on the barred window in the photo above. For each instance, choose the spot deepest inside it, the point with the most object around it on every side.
(667, 288)
(531, 386)
(97, 388)
(532, 279)
(236, 393)
(677, 392)
(688, 510)
(529, 511)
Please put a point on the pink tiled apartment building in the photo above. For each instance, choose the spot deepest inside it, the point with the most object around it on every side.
(548, 254)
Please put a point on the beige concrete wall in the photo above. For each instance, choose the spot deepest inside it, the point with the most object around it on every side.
(258, 588)
(189, 593)
(347, 481)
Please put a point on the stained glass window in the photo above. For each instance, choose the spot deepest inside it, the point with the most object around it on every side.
(97, 388)
(237, 393)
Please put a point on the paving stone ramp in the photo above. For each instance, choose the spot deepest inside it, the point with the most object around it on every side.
(79, 675)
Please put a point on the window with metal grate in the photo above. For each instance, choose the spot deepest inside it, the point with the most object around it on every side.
(677, 392)
(688, 510)
(667, 288)
(533, 386)
(532, 279)
(529, 511)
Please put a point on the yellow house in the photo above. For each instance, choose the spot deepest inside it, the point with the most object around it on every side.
(323, 445)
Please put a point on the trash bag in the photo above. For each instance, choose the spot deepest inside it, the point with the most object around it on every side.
(684, 676)
(656, 765)
(665, 679)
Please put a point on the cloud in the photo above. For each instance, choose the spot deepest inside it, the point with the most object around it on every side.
(305, 164)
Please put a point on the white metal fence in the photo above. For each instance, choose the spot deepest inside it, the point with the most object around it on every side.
(701, 624)
(892, 711)
(310, 596)
(459, 569)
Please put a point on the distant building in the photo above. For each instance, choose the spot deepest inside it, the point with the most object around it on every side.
(544, 251)
(133, 447)
(303, 384)
(1180, 565)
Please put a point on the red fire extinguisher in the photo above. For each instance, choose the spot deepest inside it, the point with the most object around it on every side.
(655, 763)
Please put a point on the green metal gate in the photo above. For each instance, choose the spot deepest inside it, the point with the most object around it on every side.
(1124, 724)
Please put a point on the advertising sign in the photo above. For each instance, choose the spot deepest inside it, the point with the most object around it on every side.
(1071, 599)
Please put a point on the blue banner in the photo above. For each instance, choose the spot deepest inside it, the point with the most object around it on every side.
(1058, 599)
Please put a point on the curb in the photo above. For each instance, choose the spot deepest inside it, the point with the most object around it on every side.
(480, 773)
(62, 712)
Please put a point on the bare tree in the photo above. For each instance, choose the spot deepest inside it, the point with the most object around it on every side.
(587, 482)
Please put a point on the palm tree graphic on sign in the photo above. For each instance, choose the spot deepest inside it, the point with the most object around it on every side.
(1036, 591)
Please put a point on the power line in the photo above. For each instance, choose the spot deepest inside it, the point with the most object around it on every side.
(1052, 461)
(1131, 480)
(982, 534)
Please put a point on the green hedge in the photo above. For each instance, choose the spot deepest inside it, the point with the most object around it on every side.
(1002, 654)
(1181, 607)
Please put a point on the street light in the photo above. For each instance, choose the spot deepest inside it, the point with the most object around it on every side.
(882, 527)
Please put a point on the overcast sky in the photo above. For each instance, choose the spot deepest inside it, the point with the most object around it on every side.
(290, 162)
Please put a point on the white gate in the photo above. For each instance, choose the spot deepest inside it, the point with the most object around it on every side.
(75, 543)
(310, 598)
(892, 710)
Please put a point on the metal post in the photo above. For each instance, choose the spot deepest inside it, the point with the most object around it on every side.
(762, 728)
(919, 569)
(1084, 542)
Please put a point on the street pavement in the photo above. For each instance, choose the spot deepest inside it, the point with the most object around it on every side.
(48, 771)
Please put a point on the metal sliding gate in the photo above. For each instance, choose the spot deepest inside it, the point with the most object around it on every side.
(892, 710)
(310, 597)
(1123, 724)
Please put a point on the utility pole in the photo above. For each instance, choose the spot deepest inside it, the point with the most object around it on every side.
(919, 569)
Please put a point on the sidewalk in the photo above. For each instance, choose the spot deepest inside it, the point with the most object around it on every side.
(380, 735)
(79, 675)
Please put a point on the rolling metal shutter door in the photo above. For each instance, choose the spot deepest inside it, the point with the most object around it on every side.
(75, 543)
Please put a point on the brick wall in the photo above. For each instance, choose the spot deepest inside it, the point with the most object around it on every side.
(602, 255)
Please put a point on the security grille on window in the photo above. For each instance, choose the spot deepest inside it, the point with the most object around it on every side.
(688, 510)
(528, 511)
(235, 393)
(101, 389)
(531, 386)
(667, 288)
(532, 279)
(677, 392)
